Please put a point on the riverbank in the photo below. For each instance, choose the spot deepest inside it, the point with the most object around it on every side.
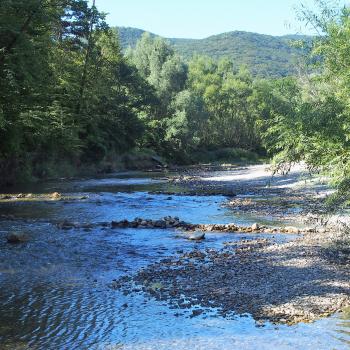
(31, 171)
(299, 281)
(283, 283)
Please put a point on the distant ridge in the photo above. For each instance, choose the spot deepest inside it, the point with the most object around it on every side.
(265, 55)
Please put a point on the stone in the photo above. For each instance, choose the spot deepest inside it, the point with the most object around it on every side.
(66, 225)
(309, 229)
(160, 224)
(255, 227)
(176, 223)
(55, 195)
(115, 224)
(196, 312)
(134, 224)
(15, 237)
(196, 236)
(123, 223)
(291, 229)
(87, 226)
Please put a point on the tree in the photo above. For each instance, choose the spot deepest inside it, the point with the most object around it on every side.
(164, 71)
(310, 121)
(67, 94)
(226, 93)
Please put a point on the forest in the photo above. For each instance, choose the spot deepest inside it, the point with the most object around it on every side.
(265, 56)
(70, 98)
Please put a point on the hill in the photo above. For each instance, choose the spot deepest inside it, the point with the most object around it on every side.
(265, 55)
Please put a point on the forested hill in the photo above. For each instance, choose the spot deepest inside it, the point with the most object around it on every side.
(265, 55)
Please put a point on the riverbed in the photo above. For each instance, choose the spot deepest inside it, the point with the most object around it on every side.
(56, 288)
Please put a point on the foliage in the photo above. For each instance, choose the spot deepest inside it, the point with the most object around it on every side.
(308, 119)
(203, 106)
(66, 91)
(264, 55)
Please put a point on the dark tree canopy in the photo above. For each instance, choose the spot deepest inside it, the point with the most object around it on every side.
(69, 95)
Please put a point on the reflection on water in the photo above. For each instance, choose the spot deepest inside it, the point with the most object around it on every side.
(54, 289)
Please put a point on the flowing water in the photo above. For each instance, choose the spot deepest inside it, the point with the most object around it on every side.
(55, 290)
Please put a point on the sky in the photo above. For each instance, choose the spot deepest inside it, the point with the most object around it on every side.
(202, 18)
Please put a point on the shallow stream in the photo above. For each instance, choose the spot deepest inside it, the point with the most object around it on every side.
(55, 289)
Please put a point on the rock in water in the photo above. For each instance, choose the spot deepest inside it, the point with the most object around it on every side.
(196, 236)
(255, 227)
(160, 224)
(16, 238)
(55, 195)
(291, 229)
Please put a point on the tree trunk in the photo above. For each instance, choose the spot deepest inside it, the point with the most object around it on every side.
(86, 61)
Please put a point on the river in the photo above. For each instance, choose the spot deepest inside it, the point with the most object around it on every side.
(55, 288)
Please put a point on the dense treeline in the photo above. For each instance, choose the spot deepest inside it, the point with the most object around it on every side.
(67, 95)
(201, 106)
(265, 55)
(70, 98)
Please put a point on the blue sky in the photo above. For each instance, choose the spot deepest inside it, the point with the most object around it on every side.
(201, 18)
